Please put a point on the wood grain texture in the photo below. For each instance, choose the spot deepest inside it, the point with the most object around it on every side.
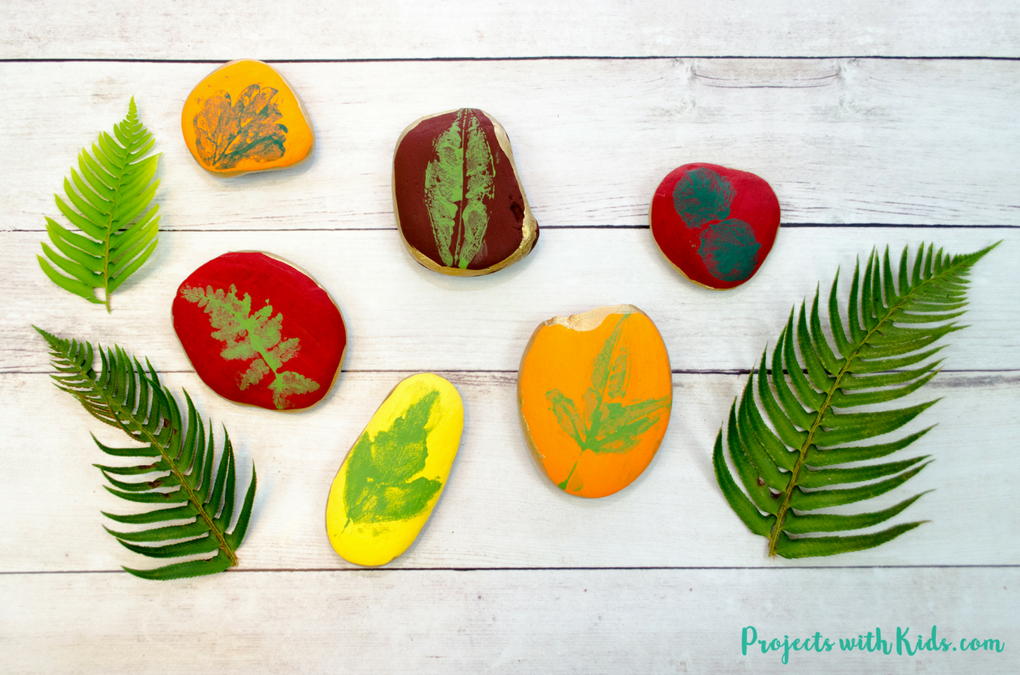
(507, 621)
(840, 141)
(319, 29)
(510, 575)
(498, 509)
(430, 322)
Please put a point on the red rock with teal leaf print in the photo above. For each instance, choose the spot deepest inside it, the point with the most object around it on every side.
(715, 225)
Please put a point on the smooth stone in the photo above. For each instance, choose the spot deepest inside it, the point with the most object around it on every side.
(594, 393)
(259, 331)
(715, 225)
(393, 477)
(244, 117)
(459, 202)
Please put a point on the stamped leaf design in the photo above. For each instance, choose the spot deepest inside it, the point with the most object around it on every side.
(604, 424)
(381, 484)
(729, 250)
(109, 204)
(227, 132)
(457, 183)
(255, 336)
(702, 195)
(808, 439)
(176, 466)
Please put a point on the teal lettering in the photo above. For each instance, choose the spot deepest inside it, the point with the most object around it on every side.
(868, 644)
(931, 644)
(745, 642)
(902, 642)
(847, 645)
(974, 644)
(881, 644)
(817, 637)
(828, 645)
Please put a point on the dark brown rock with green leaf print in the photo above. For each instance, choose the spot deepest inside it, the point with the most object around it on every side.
(459, 203)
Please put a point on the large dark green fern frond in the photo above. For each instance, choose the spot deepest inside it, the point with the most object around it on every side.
(787, 457)
(109, 203)
(177, 462)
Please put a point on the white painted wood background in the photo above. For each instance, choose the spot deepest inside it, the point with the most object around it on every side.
(876, 123)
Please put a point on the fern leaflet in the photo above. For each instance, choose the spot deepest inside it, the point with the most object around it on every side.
(787, 469)
(126, 395)
(109, 203)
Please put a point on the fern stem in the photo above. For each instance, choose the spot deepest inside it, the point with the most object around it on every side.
(827, 403)
(109, 223)
(143, 435)
(594, 425)
(458, 223)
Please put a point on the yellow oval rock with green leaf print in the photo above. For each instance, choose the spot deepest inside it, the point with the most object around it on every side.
(391, 479)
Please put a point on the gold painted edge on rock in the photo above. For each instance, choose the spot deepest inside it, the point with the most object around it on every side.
(339, 365)
(228, 173)
(584, 321)
(684, 274)
(529, 227)
(442, 488)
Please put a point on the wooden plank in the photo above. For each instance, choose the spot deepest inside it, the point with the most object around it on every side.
(499, 510)
(841, 141)
(525, 28)
(578, 621)
(404, 317)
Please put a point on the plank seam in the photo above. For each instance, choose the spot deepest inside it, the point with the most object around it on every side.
(706, 371)
(790, 226)
(561, 57)
(652, 568)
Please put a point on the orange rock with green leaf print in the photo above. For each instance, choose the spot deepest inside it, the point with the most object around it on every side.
(594, 393)
(245, 117)
(392, 478)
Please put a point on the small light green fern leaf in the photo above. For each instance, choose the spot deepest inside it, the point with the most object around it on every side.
(176, 465)
(110, 204)
(809, 437)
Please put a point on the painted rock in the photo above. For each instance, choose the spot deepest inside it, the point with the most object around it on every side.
(391, 479)
(459, 202)
(245, 117)
(260, 331)
(594, 393)
(715, 225)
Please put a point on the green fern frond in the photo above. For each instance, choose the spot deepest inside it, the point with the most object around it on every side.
(787, 457)
(126, 395)
(109, 204)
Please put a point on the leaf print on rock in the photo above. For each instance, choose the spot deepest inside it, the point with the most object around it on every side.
(456, 184)
(226, 133)
(702, 195)
(255, 336)
(729, 249)
(379, 483)
(604, 424)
